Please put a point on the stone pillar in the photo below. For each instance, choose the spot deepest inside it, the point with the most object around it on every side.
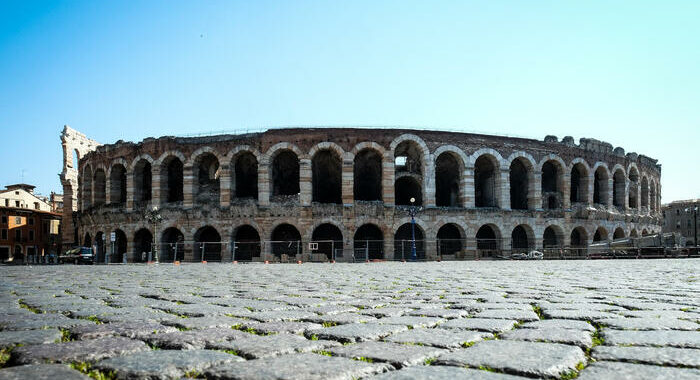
(129, 191)
(188, 188)
(537, 193)
(305, 190)
(225, 186)
(429, 182)
(347, 177)
(610, 201)
(504, 189)
(626, 198)
(566, 191)
(156, 196)
(591, 188)
(264, 184)
(108, 190)
(533, 198)
(468, 188)
(388, 179)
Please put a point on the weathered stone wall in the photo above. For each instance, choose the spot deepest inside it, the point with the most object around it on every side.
(612, 216)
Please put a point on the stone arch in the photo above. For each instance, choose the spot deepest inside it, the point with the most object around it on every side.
(206, 176)
(411, 160)
(407, 188)
(619, 233)
(408, 137)
(579, 186)
(117, 182)
(521, 180)
(449, 176)
(644, 192)
(368, 242)
(522, 238)
(99, 186)
(553, 237)
(488, 240)
(578, 238)
(633, 192)
(143, 245)
(207, 244)
(87, 240)
(172, 243)
(171, 166)
(120, 246)
(329, 238)
(142, 179)
(487, 180)
(652, 196)
(86, 187)
(284, 168)
(244, 172)
(326, 173)
(601, 234)
(403, 242)
(368, 172)
(601, 183)
(552, 168)
(619, 186)
(286, 240)
(246, 242)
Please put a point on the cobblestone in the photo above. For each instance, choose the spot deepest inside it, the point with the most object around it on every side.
(338, 321)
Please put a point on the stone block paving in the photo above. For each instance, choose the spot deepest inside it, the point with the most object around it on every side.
(622, 319)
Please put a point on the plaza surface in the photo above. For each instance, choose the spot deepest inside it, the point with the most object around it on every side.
(621, 319)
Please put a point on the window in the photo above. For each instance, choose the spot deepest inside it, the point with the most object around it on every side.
(7, 203)
(18, 235)
(31, 221)
(17, 204)
(36, 205)
(678, 225)
(31, 235)
(4, 219)
(18, 220)
(3, 234)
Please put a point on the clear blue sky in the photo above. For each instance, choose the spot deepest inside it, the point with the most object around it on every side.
(627, 72)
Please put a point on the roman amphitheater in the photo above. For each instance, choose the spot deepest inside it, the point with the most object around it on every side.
(322, 194)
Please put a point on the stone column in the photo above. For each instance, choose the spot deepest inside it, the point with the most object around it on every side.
(429, 182)
(533, 198)
(225, 186)
(108, 190)
(264, 184)
(591, 188)
(347, 177)
(129, 191)
(566, 191)
(188, 188)
(504, 189)
(388, 179)
(469, 195)
(305, 190)
(156, 196)
(537, 193)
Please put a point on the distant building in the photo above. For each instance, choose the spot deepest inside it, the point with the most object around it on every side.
(679, 216)
(56, 202)
(29, 228)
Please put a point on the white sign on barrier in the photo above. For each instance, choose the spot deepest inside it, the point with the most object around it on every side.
(313, 246)
(113, 236)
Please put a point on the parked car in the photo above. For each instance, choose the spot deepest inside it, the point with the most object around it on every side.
(79, 255)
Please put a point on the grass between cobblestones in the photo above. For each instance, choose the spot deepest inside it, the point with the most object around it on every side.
(25, 306)
(65, 335)
(86, 368)
(5, 354)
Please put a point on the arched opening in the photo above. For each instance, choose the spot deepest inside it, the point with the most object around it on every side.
(579, 238)
(487, 242)
(171, 182)
(86, 193)
(75, 159)
(246, 242)
(408, 187)
(408, 158)
(519, 240)
(551, 184)
(485, 181)
(645, 232)
(100, 186)
(172, 245)
(600, 235)
(551, 238)
(633, 188)
(367, 173)
(207, 244)
(645, 192)
(326, 172)
(619, 233)
(117, 185)
(143, 246)
(447, 179)
(579, 184)
(286, 240)
(652, 197)
(634, 233)
(369, 243)
(329, 240)
(600, 186)
(403, 242)
(519, 183)
(87, 240)
(100, 247)
(207, 177)
(18, 254)
(119, 247)
(619, 188)
(142, 182)
(245, 176)
(450, 240)
(285, 174)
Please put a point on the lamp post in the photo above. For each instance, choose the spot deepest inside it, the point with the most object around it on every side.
(413, 210)
(153, 216)
(695, 225)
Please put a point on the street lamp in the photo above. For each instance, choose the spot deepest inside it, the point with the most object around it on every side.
(695, 216)
(413, 210)
(153, 216)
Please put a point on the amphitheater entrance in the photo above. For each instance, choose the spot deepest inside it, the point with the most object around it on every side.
(207, 177)
(368, 243)
(619, 189)
(100, 184)
(329, 240)
(633, 188)
(447, 179)
(403, 242)
(285, 174)
(326, 171)
(579, 184)
(100, 247)
(367, 173)
(245, 176)
(645, 193)
(551, 185)
(286, 242)
(173, 245)
(408, 187)
(207, 244)
(117, 185)
(485, 182)
(143, 243)
(119, 253)
(487, 242)
(520, 240)
(246, 243)
(450, 240)
(87, 240)
(600, 235)
(142, 183)
(171, 183)
(618, 234)
(600, 186)
(519, 183)
(551, 238)
(579, 241)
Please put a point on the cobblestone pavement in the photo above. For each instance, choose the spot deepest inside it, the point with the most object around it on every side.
(486, 320)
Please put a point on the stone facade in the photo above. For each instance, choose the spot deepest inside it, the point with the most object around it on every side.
(681, 217)
(351, 187)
